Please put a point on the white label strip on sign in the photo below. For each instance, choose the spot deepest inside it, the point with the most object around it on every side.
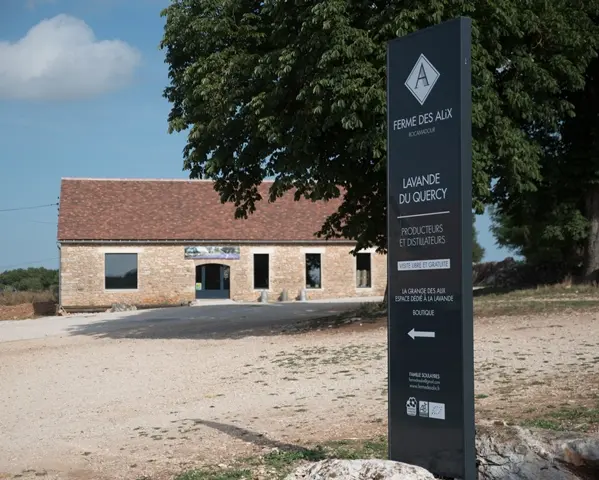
(437, 264)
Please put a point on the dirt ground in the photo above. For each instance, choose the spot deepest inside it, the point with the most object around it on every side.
(24, 311)
(83, 408)
(17, 312)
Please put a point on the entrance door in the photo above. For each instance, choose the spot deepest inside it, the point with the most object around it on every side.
(212, 281)
(212, 274)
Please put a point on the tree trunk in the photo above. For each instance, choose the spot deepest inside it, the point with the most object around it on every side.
(591, 254)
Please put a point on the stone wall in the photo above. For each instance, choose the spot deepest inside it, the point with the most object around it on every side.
(288, 272)
(166, 277)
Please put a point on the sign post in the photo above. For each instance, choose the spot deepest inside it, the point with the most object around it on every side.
(431, 365)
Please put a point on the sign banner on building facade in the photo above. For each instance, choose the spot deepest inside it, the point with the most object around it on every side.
(430, 338)
(204, 252)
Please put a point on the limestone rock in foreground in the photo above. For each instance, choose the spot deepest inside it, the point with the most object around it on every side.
(504, 453)
(532, 454)
(581, 453)
(359, 470)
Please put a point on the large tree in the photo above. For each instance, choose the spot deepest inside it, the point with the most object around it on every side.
(558, 223)
(296, 90)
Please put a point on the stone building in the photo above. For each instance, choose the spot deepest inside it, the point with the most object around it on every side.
(164, 242)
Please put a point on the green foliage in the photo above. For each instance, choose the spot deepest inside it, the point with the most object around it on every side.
(278, 464)
(550, 232)
(212, 474)
(297, 91)
(279, 460)
(352, 450)
(551, 224)
(29, 280)
(572, 419)
(478, 252)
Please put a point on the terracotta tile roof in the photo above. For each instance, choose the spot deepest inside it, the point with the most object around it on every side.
(120, 209)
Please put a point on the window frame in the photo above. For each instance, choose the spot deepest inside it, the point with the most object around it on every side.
(370, 277)
(320, 256)
(254, 255)
(137, 279)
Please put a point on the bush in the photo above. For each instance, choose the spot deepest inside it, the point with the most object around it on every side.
(28, 280)
(31, 285)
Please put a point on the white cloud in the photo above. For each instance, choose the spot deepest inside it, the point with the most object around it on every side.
(60, 59)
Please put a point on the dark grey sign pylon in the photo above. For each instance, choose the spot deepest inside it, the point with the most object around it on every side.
(429, 181)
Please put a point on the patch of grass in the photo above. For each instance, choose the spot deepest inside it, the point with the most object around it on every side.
(565, 289)
(278, 464)
(580, 419)
(282, 460)
(539, 300)
(542, 423)
(212, 474)
(350, 450)
(526, 306)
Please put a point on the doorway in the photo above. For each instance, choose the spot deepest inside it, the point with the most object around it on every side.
(213, 281)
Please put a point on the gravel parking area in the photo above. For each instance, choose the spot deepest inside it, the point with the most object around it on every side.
(82, 407)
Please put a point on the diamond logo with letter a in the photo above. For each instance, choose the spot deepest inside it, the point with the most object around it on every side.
(422, 79)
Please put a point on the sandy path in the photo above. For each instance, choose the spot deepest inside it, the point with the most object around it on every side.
(83, 408)
(526, 364)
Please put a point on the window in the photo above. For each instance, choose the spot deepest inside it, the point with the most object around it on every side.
(120, 271)
(261, 270)
(363, 270)
(313, 271)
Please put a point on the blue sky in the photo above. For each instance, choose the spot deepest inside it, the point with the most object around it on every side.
(81, 96)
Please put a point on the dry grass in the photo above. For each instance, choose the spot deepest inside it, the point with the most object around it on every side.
(488, 303)
(20, 298)
(278, 463)
(560, 298)
(565, 289)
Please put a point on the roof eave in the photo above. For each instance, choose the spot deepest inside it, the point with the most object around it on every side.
(212, 241)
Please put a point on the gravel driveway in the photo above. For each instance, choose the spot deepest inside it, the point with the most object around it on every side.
(89, 407)
(207, 321)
